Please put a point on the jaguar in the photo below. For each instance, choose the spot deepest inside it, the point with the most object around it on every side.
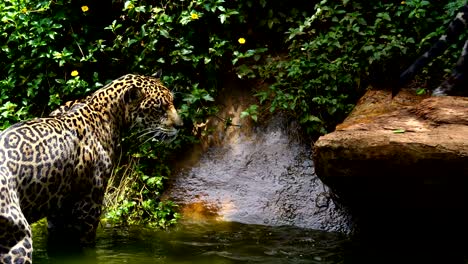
(67, 106)
(58, 166)
(453, 85)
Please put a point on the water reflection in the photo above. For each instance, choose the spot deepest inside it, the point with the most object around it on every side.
(227, 242)
(203, 243)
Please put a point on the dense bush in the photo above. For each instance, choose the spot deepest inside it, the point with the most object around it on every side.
(53, 51)
(336, 52)
(318, 57)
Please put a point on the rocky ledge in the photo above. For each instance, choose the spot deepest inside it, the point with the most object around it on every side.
(403, 159)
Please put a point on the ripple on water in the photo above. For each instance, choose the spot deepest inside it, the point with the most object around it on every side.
(216, 242)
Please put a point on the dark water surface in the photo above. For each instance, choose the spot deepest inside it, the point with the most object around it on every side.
(220, 242)
(228, 242)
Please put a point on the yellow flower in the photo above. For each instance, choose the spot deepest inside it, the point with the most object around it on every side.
(74, 73)
(24, 10)
(241, 40)
(194, 16)
(84, 8)
(403, 2)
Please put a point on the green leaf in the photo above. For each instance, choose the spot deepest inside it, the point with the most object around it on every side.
(270, 23)
(164, 33)
(398, 131)
(222, 18)
(244, 114)
(421, 91)
(208, 97)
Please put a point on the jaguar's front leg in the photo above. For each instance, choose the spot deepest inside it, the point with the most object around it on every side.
(87, 213)
(77, 223)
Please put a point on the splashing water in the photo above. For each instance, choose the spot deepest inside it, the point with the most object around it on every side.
(262, 177)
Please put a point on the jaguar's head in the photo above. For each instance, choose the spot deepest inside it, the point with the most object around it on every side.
(149, 108)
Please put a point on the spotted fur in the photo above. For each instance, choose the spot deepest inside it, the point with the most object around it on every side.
(58, 166)
(67, 107)
(457, 78)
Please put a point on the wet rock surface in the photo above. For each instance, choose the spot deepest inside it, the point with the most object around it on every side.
(401, 166)
(263, 177)
(411, 152)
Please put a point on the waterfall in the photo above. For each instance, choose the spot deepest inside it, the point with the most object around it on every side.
(261, 174)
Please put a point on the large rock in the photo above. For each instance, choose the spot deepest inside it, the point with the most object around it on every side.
(401, 166)
(406, 152)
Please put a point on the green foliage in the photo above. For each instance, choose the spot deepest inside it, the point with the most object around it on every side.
(251, 111)
(335, 52)
(42, 42)
(317, 57)
(10, 114)
(134, 194)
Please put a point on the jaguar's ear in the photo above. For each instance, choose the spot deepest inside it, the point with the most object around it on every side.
(132, 95)
(157, 74)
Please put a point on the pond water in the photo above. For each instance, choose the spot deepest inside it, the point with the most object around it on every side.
(265, 179)
(216, 242)
(230, 242)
